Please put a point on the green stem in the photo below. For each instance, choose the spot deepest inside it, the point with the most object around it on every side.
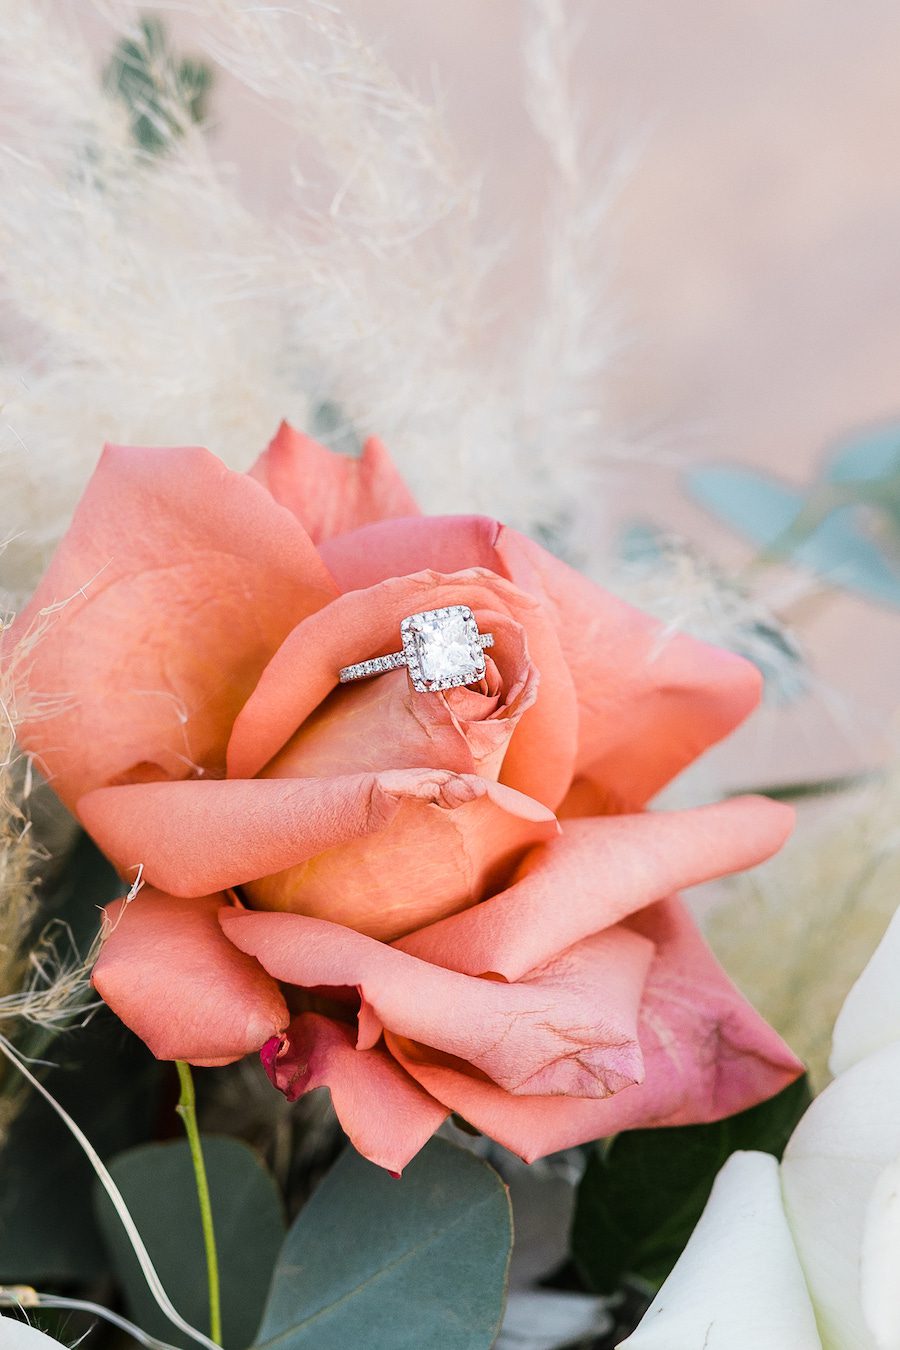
(187, 1109)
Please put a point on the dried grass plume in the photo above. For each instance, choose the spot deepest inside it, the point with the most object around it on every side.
(148, 298)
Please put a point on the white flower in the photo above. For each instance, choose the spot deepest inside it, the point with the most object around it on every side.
(19, 1336)
(806, 1255)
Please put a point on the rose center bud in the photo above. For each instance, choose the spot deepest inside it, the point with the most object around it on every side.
(435, 825)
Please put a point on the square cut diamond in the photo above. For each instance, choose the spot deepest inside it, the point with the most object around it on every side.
(442, 648)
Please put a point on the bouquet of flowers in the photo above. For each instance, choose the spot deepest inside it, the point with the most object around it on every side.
(341, 931)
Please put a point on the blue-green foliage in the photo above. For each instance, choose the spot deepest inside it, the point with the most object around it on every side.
(418, 1263)
(845, 526)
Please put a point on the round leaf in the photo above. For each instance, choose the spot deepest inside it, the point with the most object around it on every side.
(417, 1263)
(157, 1181)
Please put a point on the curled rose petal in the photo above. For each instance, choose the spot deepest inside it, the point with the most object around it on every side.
(603, 869)
(540, 757)
(650, 700)
(386, 1115)
(152, 638)
(167, 970)
(383, 723)
(331, 493)
(451, 838)
(707, 1055)
(549, 1033)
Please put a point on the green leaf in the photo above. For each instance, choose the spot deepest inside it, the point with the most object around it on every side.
(803, 790)
(157, 1181)
(845, 526)
(640, 1197)
(109, 1085)
(163, 94)
(418, 1263)
(108, 1081)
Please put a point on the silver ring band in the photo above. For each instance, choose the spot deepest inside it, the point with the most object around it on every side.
(363, 670)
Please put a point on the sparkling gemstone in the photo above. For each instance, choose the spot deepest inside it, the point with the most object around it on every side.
(445, 647)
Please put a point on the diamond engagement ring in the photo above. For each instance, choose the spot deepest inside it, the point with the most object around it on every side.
(442, 649)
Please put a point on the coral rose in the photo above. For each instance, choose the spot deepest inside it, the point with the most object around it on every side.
(429, 903)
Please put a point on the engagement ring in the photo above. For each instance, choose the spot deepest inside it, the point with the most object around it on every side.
(442, 649)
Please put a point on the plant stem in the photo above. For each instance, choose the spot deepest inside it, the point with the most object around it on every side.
(187, 1109)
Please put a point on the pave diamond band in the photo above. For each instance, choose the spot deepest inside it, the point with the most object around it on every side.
(442, 649)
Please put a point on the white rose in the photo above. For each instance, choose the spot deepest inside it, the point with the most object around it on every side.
(806, 1255)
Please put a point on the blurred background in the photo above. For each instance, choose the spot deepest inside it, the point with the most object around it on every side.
(752, 264)
(745, 259)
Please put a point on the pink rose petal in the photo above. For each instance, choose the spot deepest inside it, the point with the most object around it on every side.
(330, 493)
(168, 971)
(176, 583)
(707, 1055)
(551, 1032)
(596, 873)
(385, 1114)
(303, 844)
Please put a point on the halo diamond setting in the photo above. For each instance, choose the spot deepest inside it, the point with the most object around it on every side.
(442, 649)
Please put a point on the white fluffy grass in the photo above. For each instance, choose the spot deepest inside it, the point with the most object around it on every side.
(148, 300)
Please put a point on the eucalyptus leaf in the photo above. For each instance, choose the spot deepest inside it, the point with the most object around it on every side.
(825, 529)
(107, 1081)
(416, 1263)
(642, 1195)
(871, 455)
(157, 1182)
(756, 505)
(163, 93)
(109, 1085)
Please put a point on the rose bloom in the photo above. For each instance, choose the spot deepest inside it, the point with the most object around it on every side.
(427, 902)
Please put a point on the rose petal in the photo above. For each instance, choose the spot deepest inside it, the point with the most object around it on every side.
(597, 872)
(433, 858)
(397, 548)
(691, 1004)
(707, 1054)
(166, 969)
(870, 1017)
(540, 756)
(15, 1335)
(175, 584)
(738, 1284)
(384, 723)
(384, 1112)
(650, 701)
(451, 838)
(331, 493)
(554, 1033)
(829, 1174)
(879, 1259)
